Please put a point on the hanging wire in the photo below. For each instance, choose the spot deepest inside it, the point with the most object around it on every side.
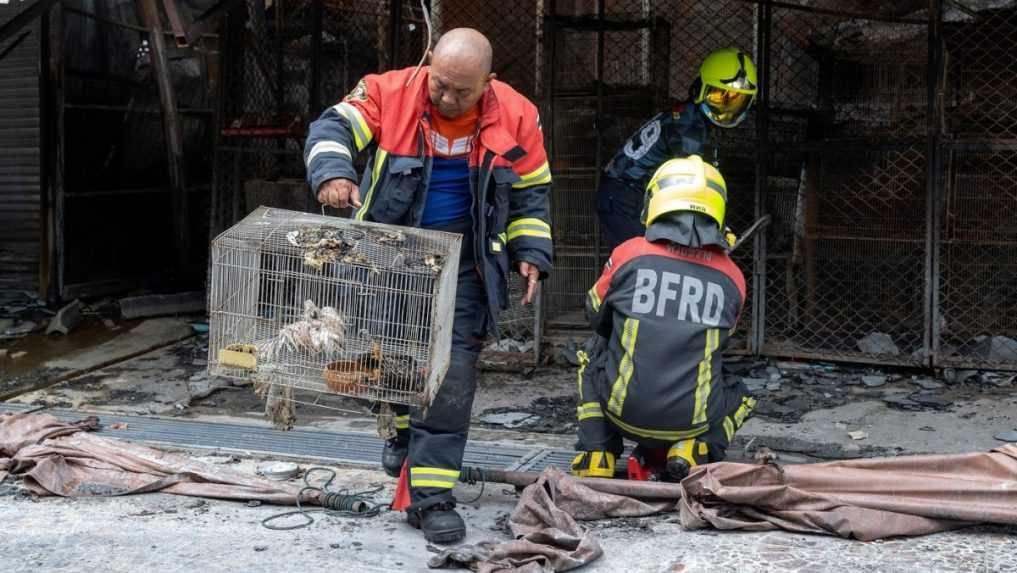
(338, 503)
(427, 46)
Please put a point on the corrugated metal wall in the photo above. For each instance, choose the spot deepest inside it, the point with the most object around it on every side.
(20, 158)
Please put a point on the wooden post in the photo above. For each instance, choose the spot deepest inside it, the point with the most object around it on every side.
(171, 128)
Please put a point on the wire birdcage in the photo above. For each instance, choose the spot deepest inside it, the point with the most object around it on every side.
(333, 305)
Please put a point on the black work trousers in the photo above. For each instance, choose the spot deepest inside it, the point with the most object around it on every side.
(599, 430)
(437, 440)
(620, 208)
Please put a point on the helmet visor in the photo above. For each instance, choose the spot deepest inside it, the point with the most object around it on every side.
(726, 107)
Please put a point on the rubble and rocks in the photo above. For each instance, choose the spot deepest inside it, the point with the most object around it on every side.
(279, 471)
(995, 349)
(1001, 380)
(66, 319)
(878, 343)
(902, 403)
(162, 305)
(874, 381)
(569, 354)
(556, 414)
(1007, 436)
(755, 384)
(23, 328)
(788, 389)
(858, 435)
(958, 376)
(510, 345)
(509, 419)
(927, 384)
(932, 401)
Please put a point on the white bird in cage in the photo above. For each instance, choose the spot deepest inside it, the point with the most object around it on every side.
(320, 331)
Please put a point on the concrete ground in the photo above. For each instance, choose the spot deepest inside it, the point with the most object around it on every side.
(163, 532)
(160, 532)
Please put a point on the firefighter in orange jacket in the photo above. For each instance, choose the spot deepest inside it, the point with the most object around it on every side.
(451, 149)
(664, 308)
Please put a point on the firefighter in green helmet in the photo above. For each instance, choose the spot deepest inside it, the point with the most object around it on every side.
(721, 97)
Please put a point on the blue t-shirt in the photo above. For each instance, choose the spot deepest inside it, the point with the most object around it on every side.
(448, 197)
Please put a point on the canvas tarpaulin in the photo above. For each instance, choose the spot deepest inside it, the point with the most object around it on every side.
(861, 499)
(60, 458)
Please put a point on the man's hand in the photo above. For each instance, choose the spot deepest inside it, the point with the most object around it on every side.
(339, 193)
(532, 274)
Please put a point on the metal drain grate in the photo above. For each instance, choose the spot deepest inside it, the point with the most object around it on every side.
(349, 447)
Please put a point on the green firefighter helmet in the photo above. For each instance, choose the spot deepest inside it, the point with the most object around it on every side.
(688, 184)
(727, 86)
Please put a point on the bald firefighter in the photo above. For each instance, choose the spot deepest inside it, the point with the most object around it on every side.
(450, 148)
(720, 98)
(664, 308)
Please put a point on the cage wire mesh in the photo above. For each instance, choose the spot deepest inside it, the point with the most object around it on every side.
(331, 305)
(845, 260)
(284, 63)
(846, 265)
(977, 311)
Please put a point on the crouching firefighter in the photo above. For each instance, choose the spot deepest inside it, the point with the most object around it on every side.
(663, 310)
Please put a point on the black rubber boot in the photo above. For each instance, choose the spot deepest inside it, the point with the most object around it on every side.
(438, 520)
(393, 455)
(677, 469)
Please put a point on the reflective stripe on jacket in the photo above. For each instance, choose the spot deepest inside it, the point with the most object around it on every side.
(510, 177)
(667, 312)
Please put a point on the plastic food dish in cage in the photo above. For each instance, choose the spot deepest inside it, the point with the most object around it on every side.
(345, 377)
(239, 356)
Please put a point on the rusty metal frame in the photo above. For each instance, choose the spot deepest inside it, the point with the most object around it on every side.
(934, 201)
(764, 15)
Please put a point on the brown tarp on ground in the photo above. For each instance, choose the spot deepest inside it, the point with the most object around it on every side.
(547, 537)
(857, 499)
(59, 458)
(861, 499)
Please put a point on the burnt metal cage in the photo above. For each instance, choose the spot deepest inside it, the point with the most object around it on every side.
(333, 305)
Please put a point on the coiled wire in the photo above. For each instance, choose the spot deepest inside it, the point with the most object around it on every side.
(339, 503)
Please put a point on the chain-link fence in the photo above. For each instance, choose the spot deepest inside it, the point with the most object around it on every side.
(891, 238)
(976, 230)
(845, 257)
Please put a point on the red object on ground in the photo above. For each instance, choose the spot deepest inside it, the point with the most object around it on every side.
(647, 465)
(402, 494)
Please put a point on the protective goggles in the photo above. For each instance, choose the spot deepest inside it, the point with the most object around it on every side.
(726, 107)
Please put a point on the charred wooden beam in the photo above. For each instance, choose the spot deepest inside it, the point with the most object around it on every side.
(171, 126)
(176, 24)
(207, 20)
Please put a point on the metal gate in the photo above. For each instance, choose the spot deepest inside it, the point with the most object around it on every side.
(21, 183)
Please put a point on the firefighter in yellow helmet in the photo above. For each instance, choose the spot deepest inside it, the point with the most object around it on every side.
(663, 310)
(720, 97)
